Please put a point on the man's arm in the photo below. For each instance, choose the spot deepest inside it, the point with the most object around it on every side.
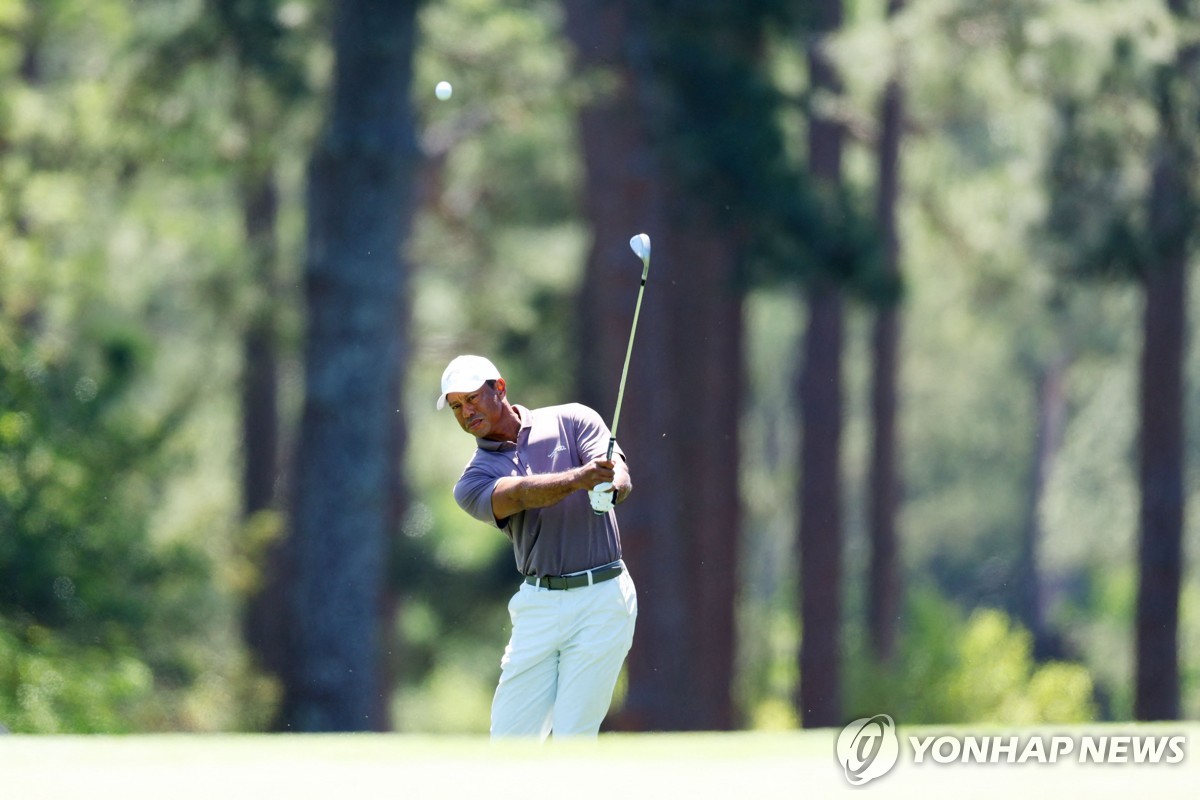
(622, 482)
(515, 494)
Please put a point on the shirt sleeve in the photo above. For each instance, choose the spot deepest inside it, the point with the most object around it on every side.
(592, 434)
(473, 493)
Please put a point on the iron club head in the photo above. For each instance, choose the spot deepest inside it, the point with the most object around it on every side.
(640, 245)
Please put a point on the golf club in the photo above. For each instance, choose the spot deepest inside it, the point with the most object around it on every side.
(640, 245)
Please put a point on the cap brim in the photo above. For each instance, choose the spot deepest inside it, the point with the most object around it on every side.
(441, 401)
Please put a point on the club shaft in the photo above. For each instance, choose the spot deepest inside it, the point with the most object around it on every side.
(612, 442)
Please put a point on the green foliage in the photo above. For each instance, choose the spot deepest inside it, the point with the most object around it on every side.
(1122, 84)
(499, 188)
(97, 615)
(110, 618)
(1096, 615)
(73, 463)
(82, 468)
(719, 132)
(978, 669)
(50, 684)
(1098, 171)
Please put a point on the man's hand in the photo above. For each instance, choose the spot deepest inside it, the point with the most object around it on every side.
(603, 496)
(596, 471)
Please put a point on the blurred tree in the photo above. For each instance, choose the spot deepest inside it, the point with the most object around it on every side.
(970, 122)
(695, 121)
(883, 587)
(102, 618)
(1112, 232)
(1050, 407)
(1172, 227)
(257, 49)
(686, 145)
(821, 407)
(626, 193)
(359, 196)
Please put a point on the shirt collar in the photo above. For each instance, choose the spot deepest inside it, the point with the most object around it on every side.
(494, 446)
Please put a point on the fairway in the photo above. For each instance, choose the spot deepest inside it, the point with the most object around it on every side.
(617, 767)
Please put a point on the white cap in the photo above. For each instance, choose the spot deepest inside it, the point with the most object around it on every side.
(466, 374)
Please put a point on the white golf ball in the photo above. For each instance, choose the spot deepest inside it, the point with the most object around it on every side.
(443, 90)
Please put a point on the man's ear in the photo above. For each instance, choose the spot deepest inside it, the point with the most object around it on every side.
(500, 386)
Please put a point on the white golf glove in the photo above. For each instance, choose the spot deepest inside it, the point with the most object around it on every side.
(601, 497)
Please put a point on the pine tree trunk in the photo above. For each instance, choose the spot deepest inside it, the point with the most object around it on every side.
(884, 587)
(820, 390)
(1051, 406)
(706, 357)
(260, 420)
(820, 539)
(679, 422)
(343, 507)
(1172, 222)
(1160, 450)
(260, 417)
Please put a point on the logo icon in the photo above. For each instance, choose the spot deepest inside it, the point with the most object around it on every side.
(868, 748)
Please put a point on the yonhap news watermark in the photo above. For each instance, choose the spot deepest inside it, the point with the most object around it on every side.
(871, 747)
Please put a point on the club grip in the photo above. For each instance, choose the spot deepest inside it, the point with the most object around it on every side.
(612, 444)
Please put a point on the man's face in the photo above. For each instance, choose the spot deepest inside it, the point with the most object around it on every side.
(479, 412)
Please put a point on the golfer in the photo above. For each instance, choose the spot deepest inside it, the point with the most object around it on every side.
(542, 476)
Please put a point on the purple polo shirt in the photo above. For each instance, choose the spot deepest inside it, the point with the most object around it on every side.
(567, 536)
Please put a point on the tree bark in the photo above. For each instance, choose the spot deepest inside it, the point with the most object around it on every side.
(884, 585)
(820, 390)
(359, 202)
(706, 355)
(260, 386)
(1051, 407)
(1172, 223)
(679, 528)
(820, 537)
(1160, 451)
(260, 421)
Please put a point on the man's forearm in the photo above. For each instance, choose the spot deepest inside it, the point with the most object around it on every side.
(516, 494)
(622, 482)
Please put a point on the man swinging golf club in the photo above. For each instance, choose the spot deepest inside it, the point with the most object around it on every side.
(549, 478)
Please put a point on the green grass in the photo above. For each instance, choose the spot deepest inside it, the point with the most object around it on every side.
(617, 767)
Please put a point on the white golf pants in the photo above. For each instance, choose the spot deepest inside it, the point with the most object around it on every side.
(562, 661)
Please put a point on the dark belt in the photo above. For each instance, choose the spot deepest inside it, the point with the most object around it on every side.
(576, 581)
